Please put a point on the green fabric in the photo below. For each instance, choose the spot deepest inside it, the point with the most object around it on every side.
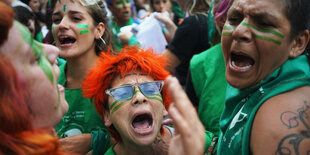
(61, 61)
(82, 116)
(211, 25)
(208, 77)
(100, 141)
(38, 37)
(110, 151)
(177, 10)
(115, 29)
(241, 105)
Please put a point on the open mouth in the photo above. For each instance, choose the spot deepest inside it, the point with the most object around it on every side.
(143, 123)
(126, 13)
(66, 40)
(241, 63)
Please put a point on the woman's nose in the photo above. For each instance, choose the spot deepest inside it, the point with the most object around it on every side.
(51, 52)
(138, 97)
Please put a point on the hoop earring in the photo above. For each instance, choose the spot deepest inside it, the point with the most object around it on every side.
(103, 41)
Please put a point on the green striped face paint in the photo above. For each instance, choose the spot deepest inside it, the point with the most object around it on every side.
(117, 104)
(228, 30)
(263, 37)
(38, 51)
(53, 27)
(83, 26)
(64, 8)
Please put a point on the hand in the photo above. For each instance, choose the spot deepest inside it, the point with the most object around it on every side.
(79, 144)
(189, 135)
(165, 19)
(124, 37)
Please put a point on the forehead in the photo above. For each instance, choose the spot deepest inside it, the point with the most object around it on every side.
(69, 4)
(131, 79)
(272, 7)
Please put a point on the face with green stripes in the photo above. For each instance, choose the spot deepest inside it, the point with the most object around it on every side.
(73, 29)
(255, 40)
(37, 70)
(138, 119)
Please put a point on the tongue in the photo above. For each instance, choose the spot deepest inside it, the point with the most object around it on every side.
(243, 61)
(141, 124)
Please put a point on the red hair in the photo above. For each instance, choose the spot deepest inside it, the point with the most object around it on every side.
(6, 20)
(109, 66)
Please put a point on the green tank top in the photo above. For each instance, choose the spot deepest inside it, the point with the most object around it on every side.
(241, 105)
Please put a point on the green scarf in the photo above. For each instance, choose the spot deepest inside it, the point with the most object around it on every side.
(242, 105)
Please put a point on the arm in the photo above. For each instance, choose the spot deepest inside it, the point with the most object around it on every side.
(189, 135)
(282, 124)
(79, 144)
(174, 61)
(171, 27)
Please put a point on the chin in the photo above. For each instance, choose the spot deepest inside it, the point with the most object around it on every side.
(240, 83)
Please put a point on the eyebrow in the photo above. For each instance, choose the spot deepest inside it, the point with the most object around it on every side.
(58, 13)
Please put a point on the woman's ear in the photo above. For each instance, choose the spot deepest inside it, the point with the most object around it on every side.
(299, 44)
(100, 28)
(107, 119)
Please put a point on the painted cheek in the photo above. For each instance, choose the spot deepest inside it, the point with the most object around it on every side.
(84, 27)
(37, 49)
(116, 105)
(53, 27)
(43, 61)
(267, 35)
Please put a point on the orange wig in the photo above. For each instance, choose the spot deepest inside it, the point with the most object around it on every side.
(129, 60)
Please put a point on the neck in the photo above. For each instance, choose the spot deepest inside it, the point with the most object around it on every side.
(120, 23)
(159, 146)
(77, 68)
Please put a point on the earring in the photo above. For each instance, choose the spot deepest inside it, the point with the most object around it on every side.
(103, 41)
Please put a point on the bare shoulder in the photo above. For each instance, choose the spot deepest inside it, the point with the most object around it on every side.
(282, 124)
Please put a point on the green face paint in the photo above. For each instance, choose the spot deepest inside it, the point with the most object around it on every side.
(277, 34)
(263, 31)
(38, 51)
(83, 26)
(121, 3)
(53, 27)
(64, 8)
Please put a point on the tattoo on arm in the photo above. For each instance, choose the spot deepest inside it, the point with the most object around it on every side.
(290, 143)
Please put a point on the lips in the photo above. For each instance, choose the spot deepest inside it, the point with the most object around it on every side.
(143, 123)
(240, 62)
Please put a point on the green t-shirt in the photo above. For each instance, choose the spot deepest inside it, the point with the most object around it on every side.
(209, 81)
(82, 116)
(241, 105)
(115, 29)
(110, 151)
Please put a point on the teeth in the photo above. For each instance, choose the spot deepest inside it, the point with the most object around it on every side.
(63, 37)
(242, 68)
(144, 128)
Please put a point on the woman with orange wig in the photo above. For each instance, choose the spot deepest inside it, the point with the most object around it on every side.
(30, 99)
(129, 93)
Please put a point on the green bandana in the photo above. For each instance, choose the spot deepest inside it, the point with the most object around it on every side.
(242, 105)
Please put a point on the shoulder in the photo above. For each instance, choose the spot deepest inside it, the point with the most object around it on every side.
(282, 124)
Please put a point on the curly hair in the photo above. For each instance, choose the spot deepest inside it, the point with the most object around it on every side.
(109, 66)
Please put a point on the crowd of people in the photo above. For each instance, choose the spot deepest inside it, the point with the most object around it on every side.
(234, 77)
